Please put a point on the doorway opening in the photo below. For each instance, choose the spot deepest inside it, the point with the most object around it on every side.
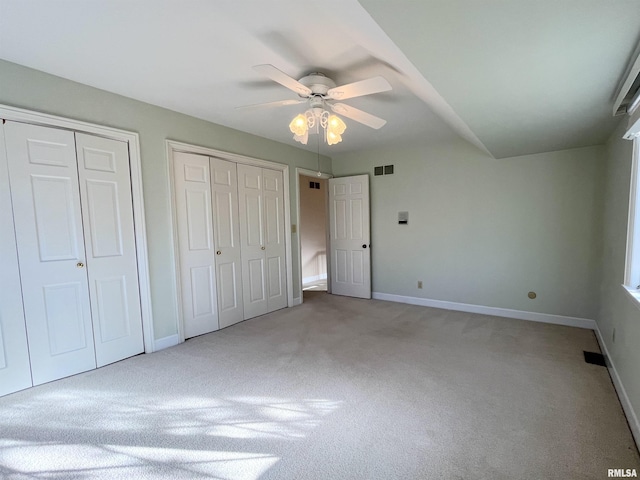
(313, 231)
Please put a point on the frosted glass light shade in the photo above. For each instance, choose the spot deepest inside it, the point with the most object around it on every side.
(298, 125)
(336, 125)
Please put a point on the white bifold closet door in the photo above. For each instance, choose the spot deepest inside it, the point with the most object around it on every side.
(226, 229)
(195, 239)
(109, 238)
(262, 230)
(15, 371)
(76, 249)
(231, 244)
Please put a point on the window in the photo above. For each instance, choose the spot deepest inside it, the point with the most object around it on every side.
(632, 266)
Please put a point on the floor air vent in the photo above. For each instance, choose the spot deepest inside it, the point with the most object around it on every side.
(595, 358)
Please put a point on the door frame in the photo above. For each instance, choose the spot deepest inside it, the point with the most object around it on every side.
(313, 174)
(175, 146)
(133, 141)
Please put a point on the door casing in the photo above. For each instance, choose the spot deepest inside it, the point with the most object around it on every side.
(311, 174)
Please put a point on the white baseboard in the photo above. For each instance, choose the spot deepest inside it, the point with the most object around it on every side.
(632, 418)
(498, 312)
(297, 301)
(166, 342)
(315, 278)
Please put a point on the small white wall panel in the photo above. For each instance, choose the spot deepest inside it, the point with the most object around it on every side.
(47, 152)
(55, 221)
(254, 219)
(202, 288)
(198, 205)
(104, 218)
(112, 308)
(227, 298)
(224, 219)
(64, 318)
(273, 222)
(3, 352)
(256, 284)
(342, 266)
(357, 267)
(99, 160)
(274, 269)
(357, 219)
(340, 219)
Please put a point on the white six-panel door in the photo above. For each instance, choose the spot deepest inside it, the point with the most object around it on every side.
(105, 192)
(48, 222)
(196, 246)
(350, 236)
(15, 371)
(226, 229)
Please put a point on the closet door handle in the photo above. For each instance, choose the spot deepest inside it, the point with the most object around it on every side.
(79, 264)
(262, 248)
(218, 252)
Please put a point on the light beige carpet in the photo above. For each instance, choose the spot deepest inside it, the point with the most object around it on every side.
(337, 388)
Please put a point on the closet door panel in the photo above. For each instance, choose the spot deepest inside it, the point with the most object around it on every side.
(196, 243)
(105, 193)
(274, 229)
(252, 240)
(15, 371)
(226, 228)
(48, 225)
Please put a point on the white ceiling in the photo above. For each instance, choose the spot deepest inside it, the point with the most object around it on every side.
(527, 76)
(515, 76)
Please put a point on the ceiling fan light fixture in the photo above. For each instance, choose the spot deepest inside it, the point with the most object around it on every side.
(321, 92)
(302, 123)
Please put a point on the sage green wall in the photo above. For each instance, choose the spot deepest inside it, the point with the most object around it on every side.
(484, 231)
(617, 309)
(30, 89)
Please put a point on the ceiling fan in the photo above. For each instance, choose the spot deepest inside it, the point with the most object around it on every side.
(321, 92)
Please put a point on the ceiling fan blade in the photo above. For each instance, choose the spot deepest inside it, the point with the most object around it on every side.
(279, 103)
(358, 89)
(358, 115)
(283, 79)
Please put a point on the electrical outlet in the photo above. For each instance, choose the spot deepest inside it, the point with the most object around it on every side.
(419, 283)
(613, 336)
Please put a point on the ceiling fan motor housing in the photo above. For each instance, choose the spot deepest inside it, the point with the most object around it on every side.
(318, 83)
